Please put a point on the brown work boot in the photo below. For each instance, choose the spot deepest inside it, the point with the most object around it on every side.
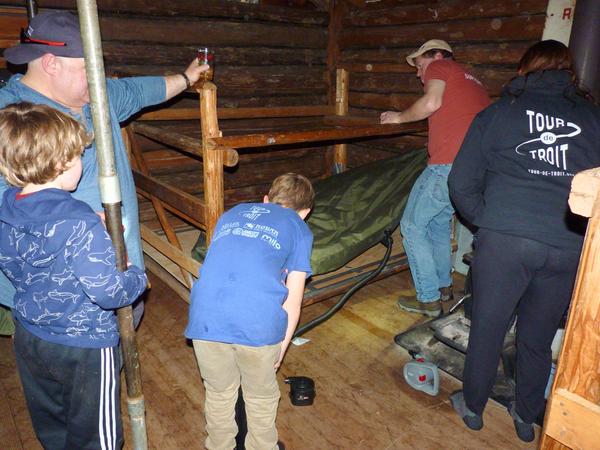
(446, 294)
(411, 304)
(409, 292)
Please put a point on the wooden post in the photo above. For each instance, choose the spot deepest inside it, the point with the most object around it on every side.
(212, 161)
(573, 411)
(340, 151)
(336, 13)
(337, 9)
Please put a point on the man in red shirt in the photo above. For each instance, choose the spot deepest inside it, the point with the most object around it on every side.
(452, 97)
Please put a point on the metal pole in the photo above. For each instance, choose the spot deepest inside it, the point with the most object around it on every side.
(585, 45)
(31, 9)
(111, 199)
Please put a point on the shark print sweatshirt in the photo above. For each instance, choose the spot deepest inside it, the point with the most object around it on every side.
(58, 255)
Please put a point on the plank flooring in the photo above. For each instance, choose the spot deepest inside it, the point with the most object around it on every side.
(362, 403)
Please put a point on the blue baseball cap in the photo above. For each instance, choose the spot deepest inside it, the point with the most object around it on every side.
(55, 32)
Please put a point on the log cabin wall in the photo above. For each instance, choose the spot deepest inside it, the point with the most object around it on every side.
(270, 55)
(488, 36)
(266, 55)
(11, 22)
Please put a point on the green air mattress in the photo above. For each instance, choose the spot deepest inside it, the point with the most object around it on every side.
(352, 209)
(7, 326)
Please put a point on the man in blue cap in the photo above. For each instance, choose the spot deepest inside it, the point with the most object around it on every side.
(53, 51)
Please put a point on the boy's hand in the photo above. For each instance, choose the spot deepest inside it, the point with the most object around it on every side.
(102, 217)
(295, 284)
(281, 354)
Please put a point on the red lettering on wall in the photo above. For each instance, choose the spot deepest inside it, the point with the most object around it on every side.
(567, 13)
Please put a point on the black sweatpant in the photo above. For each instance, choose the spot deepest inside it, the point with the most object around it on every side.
(72, 393)
(535, 280)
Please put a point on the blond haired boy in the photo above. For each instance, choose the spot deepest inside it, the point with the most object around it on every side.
(58, 255)
(245, 308)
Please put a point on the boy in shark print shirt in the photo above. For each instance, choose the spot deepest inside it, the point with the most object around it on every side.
(58, 255)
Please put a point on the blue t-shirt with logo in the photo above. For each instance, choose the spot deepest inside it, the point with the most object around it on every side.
(239, 295)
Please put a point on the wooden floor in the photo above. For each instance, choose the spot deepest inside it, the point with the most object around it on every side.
(362, 399)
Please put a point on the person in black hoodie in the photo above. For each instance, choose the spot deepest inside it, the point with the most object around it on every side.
(511, 179)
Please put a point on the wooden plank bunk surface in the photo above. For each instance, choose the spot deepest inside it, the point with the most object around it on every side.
(198, 201)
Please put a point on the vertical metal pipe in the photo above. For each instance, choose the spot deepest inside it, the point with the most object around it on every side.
(31, 9)
(111, 199)
(585, 45)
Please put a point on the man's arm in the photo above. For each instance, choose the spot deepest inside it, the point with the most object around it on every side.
(129, 95)
(424, 107)
(295, 284)
(175, 84)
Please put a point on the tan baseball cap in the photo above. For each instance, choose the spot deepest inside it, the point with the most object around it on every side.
(432, 44)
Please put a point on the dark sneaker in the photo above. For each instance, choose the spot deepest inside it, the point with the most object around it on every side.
(411, 304)
(471, 420)
(524, 430)
(446, 294)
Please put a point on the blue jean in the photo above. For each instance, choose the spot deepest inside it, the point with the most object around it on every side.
(425, 228)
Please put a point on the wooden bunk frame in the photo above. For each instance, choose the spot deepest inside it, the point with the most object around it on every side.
(217, 151)
(573, 410)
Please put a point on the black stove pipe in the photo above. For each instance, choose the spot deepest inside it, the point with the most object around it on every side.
(585, 45)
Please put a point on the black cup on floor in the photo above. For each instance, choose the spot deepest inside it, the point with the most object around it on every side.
(302, 390)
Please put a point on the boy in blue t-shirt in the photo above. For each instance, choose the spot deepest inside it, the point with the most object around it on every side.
(58, 255)
(245, 307)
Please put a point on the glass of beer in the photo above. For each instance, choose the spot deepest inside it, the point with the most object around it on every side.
(206, 56)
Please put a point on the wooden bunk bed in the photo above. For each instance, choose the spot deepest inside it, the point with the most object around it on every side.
(321, 124)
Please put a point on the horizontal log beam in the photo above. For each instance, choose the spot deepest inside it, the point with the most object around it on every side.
(11, 24)
(6, 43)
(178, 199)
(184, 143)
(256, 168)
(334, 134)
(492, 79)
(498, 29)
(470, 53)
(116, 52)
(245, 81)
(377, 67)
(360, 155)
(382, 101)
(195, 8)
(226, 101)
(442, 12)
(395, 145)
(211, 32)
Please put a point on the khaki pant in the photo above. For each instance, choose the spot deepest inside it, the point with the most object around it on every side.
(223, 367)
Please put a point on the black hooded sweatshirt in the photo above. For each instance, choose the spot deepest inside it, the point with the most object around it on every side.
(514, 169)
